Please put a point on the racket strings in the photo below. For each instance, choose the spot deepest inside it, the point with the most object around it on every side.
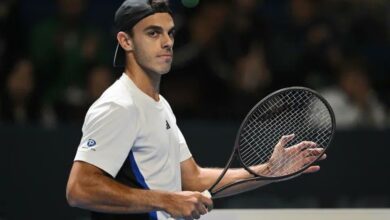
(253, 129)
(266, 155)
(293, 112)
(287, 157)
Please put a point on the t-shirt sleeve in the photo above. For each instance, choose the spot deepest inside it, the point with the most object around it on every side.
(109, 132)
(184, 151)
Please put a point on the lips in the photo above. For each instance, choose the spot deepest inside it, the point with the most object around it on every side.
(166, 55)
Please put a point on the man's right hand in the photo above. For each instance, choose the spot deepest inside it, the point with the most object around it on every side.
(187, 205)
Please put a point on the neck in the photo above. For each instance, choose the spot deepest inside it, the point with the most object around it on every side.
(149, 83)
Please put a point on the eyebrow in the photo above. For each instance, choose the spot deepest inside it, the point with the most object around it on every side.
(158, 28)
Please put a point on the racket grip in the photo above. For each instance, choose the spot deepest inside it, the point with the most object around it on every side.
(207, 194)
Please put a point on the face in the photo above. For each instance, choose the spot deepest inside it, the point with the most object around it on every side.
(152, 41)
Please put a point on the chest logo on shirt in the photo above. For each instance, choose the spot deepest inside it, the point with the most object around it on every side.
(167, 125)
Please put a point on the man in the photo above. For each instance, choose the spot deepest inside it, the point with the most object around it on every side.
(133, 162)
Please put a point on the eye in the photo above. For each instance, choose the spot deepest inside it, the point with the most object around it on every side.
(152, 33)
(172, 34)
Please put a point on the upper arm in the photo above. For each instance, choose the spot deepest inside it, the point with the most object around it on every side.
(82, 169)
(80, 175)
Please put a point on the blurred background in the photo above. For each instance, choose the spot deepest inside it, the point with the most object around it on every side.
(56, 60)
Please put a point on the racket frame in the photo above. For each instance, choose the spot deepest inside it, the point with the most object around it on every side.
(236, 152)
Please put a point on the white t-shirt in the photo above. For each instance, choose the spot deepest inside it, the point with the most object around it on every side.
(126, 125)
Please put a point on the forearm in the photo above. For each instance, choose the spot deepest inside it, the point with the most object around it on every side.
(101, 193)
(232, 175)
(206, 177)
(196, 178)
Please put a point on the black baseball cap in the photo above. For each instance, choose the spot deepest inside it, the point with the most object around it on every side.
(129, 14)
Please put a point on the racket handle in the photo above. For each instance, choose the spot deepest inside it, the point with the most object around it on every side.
(207, 194)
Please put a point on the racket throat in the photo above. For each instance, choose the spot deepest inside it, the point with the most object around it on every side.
(227, 166)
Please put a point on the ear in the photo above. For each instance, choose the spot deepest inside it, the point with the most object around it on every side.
(125, 41)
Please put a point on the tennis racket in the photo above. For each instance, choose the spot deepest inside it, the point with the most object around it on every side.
(282, 135)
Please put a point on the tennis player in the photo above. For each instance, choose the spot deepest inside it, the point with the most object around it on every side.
(133, 162)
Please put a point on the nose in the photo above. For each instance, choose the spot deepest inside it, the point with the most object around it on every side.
(167, 41)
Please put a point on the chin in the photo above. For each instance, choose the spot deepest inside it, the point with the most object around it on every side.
(164, 71)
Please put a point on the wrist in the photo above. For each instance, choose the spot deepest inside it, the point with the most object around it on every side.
(162, 201)
(262, 169)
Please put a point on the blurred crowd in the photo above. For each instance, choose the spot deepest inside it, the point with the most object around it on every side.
(56, 61)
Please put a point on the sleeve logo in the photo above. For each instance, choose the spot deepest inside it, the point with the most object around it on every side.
(91, 143)
(89, 146)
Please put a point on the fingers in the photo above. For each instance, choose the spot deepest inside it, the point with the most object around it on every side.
(297, 156)
(203, 205)
(195, 214)
(311, 155)
(284, 140)
(303, 145)
(309, 159)
(312, 169)
(298, 147)
(202, 209)
(206, 201)
(188, 205)
(316, 152)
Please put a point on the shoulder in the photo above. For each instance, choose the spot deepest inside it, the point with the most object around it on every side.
(165, 103)
(118, 94)
(115, 102)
